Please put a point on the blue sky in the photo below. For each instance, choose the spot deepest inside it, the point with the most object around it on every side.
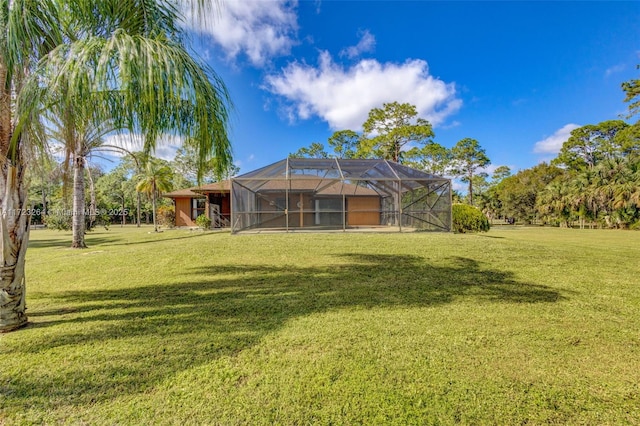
(516, 76)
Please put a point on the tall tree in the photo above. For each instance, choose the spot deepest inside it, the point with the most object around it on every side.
(138, 73)
(29, 29)
(580, 195)
(480, 183)
(133, 162)
(79, 133)
(618, 190)
(157, 177)
(315, 150)
(518, 194)
(631, 89)
(501, 172)
(45, 176)
(431, 158)
(628, 140)
(468, 158)
(345, 143)
(128, 58)
(390, 128)
(186, 164)
(554, 202)
(115, 191)
(590, 144)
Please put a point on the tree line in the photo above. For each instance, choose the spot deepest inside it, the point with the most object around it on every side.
(130, 193)
(593, 182)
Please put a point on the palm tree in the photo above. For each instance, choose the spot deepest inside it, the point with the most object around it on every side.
(79, 134)
(623, 187)
(126, 59)
(554, 202)
(580, 195)
(29, 29)
(165, 89)
(155, 179)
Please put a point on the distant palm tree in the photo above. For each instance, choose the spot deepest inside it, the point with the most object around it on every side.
(555, 202)
(581, 194)
(621, 188)
(155, 179)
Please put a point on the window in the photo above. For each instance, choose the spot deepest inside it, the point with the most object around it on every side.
(197, 207)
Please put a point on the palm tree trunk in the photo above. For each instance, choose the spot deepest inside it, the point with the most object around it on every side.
(124, 217)
(138, 208)
(14, 223)
(14, 237)
(43, 214)
(153, 203)
(93, 205)
(470, 176)
(78, 203)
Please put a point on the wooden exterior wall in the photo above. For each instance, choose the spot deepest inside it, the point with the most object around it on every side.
(183, 212)
(363, 211)
(184, 209)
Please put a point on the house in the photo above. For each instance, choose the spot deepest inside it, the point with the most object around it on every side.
(317, 194)
(211, 200)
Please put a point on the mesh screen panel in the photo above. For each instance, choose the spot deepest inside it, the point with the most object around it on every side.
(340, 194)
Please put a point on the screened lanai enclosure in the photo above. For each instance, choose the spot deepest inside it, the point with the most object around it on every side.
(339, 194)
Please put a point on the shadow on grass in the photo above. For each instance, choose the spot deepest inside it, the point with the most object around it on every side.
(48, 243)
(221, 310)
(105, 240)
(117, 240)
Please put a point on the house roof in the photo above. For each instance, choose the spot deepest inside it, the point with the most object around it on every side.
(224, 185)
(183, 193)
(200, 191)
(317, 186)
(334, 176)
(325, 176)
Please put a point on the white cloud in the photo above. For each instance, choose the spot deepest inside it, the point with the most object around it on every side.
(489, 170)
(366, 44)
(258, 29)
(166, 146)
(343, 97)
(614, 70)
(453, 124)
(241, 163)
(553, 143)
(459, 186)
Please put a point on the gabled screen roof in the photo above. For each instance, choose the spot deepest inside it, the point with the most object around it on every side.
(336, 168)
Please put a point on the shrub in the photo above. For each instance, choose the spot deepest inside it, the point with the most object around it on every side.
(59, 220)
(467, 218)
(166, 216)
(203, 222)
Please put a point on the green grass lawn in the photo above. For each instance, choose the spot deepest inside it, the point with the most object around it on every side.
(519, 325)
